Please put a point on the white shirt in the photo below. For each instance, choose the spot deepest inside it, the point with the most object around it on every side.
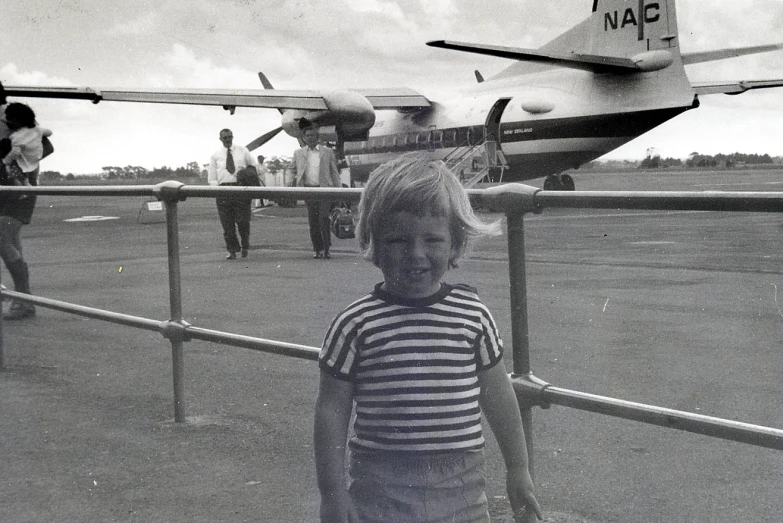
(26, 148)
(311, 174)
(216, 170)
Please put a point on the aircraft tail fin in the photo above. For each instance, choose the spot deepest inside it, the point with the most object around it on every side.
(621, 29)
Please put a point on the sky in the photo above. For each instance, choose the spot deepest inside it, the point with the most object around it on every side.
(309, 44)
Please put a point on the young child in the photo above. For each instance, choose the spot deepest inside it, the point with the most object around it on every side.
(421, 359)
(25, 149)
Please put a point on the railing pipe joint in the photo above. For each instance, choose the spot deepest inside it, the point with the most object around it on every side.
(175, 330)
(511, 198)
(529, 390)
(169, 191)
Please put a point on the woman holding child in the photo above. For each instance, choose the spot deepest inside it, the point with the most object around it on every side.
(21, 150)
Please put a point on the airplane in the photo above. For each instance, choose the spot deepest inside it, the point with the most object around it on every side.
(593, 88)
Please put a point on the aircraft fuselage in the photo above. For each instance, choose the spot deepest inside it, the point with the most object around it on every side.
(544, 122)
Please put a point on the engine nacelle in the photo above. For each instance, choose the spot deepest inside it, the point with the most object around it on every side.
(349, 112)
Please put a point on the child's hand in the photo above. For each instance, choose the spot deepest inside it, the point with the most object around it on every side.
(520, 493)
(338, 508)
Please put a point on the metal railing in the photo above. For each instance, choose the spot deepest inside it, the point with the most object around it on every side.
(515, 200)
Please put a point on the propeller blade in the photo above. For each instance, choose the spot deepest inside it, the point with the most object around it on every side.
(261, 140)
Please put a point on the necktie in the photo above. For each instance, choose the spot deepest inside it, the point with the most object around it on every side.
(229, 162)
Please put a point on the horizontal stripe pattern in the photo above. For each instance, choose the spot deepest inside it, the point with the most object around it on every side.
(414, 365)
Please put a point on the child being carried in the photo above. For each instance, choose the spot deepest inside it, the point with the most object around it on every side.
(22, 151)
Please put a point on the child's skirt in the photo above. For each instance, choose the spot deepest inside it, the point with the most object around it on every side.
(392, 487)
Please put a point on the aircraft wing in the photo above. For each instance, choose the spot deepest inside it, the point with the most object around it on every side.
(595, 63)
(737, 87)
(382, 98)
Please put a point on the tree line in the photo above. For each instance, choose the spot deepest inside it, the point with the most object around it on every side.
(704, 160)
(191, 173)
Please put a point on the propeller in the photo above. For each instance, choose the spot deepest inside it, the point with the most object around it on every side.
(261, 140)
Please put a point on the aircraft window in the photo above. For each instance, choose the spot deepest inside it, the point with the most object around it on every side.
(451, 137)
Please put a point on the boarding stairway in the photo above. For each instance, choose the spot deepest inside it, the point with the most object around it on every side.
(474, 163)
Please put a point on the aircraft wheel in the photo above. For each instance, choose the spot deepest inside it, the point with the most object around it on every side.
(551, 184)
(567, 183)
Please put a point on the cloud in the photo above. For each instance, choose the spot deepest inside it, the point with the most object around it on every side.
(388, 9)
(181, 67)
(11, 74)
(136, 27)
(308, 44)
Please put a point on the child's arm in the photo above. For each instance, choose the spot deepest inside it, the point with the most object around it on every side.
(332, 417)
(500, 407)
(14, 152)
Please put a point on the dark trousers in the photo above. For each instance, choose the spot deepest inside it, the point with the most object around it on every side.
(234, 213)
(318, 217)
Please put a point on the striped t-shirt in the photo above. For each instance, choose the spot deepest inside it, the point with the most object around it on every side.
(414, 364)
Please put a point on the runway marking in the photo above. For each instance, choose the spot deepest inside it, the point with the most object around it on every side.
(92, 218)
(735, 184)
(652, 243)
(617, 214)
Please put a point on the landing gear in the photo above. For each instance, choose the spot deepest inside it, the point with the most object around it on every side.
(559, 182)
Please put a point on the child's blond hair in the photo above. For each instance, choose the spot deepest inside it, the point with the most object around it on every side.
(416, 184)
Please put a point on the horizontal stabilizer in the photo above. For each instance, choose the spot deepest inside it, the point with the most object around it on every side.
(738, 87)
(722, 54)
(595, 63)
(382, 98)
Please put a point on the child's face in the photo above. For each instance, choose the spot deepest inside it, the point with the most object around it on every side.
(413, 253)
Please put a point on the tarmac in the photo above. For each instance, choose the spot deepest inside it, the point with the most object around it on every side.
(676, 309)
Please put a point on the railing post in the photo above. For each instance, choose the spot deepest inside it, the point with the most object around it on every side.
(515, 200)
(168, 192)
(2, 339)
(520, 339)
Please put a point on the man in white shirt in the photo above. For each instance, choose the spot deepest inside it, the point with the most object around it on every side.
(234, 211)
(316, 166)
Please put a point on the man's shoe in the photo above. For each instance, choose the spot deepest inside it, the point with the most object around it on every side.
(244, 253)
(318, 255)
(327, 256)
(19, 311)
(231, 256)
